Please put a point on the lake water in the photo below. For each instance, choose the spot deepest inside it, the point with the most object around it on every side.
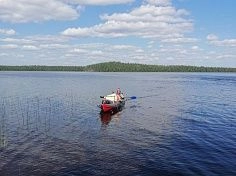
(180, 124)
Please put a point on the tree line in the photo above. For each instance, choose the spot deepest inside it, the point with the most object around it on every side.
(118, 67)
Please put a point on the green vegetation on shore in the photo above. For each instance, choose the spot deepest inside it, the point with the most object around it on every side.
(118, 67)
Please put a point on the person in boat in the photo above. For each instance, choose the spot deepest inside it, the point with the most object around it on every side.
(114, 97)
(119, 95)
(104, 101)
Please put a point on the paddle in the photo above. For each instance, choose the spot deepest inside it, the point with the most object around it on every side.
(132, 98)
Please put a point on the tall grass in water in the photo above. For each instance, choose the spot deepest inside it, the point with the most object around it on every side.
(35, 115)
(3, 140)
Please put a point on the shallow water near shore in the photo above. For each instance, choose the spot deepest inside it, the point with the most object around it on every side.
(180, 124)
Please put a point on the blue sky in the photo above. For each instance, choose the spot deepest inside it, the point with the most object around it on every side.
(82, 32)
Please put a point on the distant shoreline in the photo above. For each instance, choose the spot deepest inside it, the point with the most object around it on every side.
(118, 67)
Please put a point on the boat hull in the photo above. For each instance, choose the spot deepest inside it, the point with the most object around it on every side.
(117, 106)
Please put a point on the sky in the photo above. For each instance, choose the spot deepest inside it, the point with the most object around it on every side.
(83, 32)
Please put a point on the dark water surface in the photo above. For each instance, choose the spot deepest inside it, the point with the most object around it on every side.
(180, 124)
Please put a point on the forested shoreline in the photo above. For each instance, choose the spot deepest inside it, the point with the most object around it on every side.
(118, 67)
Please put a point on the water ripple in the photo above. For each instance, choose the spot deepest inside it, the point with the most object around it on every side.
(180, 124)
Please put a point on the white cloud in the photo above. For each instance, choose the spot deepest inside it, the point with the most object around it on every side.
(45, 39)
(226, 56)
(42, 40)
(16, 40)
(97, 52)
(30, 47)
(4, 54)
(7, 31)
(20, 55)
(166, 28)
(214, 40)
(180, 40)
(150, 20)
(195, 47)
(123, 47)
(159, 2)
(139, 51)
(53, 46)
(97, 2)
(9, 46)
(22, 11)
(212, 37)
(50, 52)
(79, 50)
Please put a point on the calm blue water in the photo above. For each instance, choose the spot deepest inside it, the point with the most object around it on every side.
(180, 124)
